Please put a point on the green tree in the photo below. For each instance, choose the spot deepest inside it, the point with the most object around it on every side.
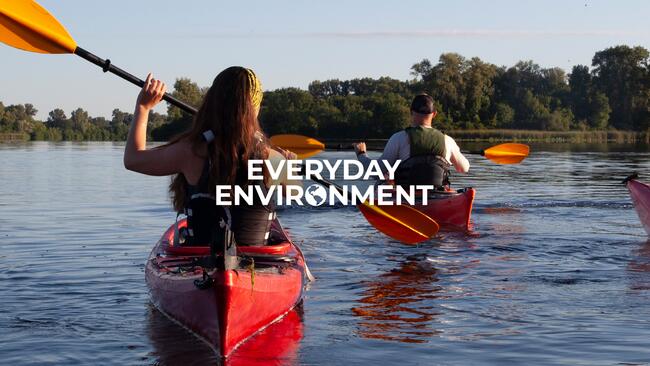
(101, 122)
(391, 113)
(80, 120)
(287, 111)
(558, 120)
(423, 73)
(18, 118)
(621, 73)
(119, 124)
(58, 119)
(581, 89)
(599, 111)
(504, 116)
(178, 121)
(532, 113)
(447, 84)
(323, 118)
(189, 92)
(479, 90)
(328, 88)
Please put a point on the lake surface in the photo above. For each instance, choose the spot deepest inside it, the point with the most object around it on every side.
(555, 271)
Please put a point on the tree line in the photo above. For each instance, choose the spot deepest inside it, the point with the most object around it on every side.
(613, 93)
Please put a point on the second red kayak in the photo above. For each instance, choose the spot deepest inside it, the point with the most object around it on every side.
(450, 209)
(640, 194)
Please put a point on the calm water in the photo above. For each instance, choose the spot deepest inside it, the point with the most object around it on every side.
(556, 270)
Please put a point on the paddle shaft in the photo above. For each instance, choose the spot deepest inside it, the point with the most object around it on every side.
(326, 183)
(107, 66)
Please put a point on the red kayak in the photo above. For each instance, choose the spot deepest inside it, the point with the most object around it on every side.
(640, 194)
(225, 307)
(451, 209)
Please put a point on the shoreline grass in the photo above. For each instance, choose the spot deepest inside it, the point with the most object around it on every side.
(608, 136)
(14, 136)
(576, 137)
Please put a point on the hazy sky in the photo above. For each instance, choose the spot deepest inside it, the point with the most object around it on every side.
(290, 43)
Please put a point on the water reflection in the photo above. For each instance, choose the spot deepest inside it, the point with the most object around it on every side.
(278, 344)
(397, 307)
(639, 267)
(503, 222)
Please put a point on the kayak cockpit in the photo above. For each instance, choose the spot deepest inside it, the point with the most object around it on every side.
(278, 243)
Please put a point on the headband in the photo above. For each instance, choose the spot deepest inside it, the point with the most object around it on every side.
(256, 88)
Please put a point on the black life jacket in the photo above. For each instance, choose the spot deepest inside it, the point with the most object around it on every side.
(206, 222)
(426, 164)
(252, 223)
(209, 223)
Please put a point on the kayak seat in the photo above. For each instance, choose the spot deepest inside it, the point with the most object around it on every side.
(278, 243)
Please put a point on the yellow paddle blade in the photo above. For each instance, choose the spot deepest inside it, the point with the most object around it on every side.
(402, 223)
(509, 153)
(26, 25)
(302, 146)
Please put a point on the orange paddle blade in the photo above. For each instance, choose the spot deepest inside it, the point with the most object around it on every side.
(402, 223)
(302, 146)
(509, 153)
(26, 25)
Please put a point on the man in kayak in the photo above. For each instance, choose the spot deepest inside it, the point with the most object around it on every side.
(425, 152)
(224, 135)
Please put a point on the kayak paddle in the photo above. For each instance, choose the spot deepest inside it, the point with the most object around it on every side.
(400, 222)
(302, 146)
(508, 153)
(26, 25)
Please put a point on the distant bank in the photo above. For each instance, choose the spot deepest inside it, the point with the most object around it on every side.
(619, 137)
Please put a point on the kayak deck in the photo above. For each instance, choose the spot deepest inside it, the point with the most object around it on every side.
(226, 307)
(452, 209)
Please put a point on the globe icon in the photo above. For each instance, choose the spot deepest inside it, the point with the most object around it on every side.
(315, 195)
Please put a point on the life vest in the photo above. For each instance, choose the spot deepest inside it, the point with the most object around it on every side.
(207, 223)
(426, 164)
(252, 223)
(247, 225)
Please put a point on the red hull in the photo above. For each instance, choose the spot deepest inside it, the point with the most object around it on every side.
(240, 303)
(450, 209)
(640, 194)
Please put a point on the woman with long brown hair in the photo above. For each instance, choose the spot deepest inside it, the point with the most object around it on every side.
(224, 135)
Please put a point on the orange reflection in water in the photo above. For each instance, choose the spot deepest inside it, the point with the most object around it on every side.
(394, 308)
(640, 263)
(278, 344)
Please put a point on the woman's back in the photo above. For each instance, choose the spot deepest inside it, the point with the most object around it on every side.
(224, 135)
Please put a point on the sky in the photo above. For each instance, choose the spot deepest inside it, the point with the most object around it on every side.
(291, 43)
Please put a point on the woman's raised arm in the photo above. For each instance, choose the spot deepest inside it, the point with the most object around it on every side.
(164, 160)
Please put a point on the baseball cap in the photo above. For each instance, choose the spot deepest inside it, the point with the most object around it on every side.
(423, 104)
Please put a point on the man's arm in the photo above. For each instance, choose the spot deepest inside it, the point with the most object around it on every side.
(456, 158)
(390, 154)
